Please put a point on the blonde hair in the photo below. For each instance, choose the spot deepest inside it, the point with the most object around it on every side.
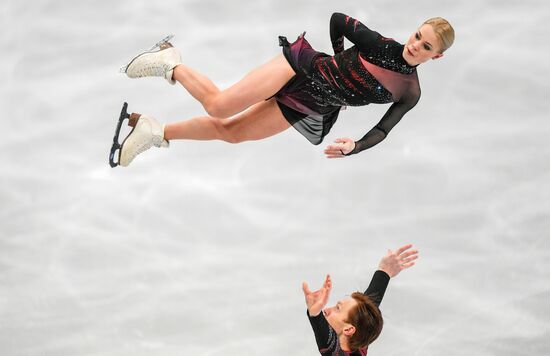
(443, 30)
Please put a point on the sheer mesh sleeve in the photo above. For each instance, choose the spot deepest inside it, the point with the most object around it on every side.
(377, 287)
(325, 336)
(345, 26)
(394, 114)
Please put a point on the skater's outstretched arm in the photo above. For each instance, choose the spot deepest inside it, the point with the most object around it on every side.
(379, 132)
(346, 146)
(317, 300)
(396, 261)
(377, 287)
(390, 266)
(325, 336)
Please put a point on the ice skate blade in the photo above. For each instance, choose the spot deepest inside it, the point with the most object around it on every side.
(116, 146)
(158, 45)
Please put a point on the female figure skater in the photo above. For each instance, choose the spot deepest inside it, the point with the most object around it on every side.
(300, 87)
(347, 328)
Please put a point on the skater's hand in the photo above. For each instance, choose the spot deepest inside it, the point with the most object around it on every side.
(317, 300)
(395, 262)
(340, 148)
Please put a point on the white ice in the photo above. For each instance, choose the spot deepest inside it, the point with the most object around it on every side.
(201, 249)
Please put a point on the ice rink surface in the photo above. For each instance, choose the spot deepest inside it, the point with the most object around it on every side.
(201, 249)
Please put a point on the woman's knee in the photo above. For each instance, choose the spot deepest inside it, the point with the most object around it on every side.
(216, 107)
(228, 131)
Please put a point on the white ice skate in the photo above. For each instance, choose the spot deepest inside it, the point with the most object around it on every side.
(155, 63)
(147, 132)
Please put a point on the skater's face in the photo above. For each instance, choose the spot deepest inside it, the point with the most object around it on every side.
(421, 46)
(337, 316)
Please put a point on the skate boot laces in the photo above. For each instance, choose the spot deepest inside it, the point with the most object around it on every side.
(154, 64)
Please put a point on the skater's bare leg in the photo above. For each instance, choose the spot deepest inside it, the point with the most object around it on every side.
(262, 120)
(258, 85)
(199, 86)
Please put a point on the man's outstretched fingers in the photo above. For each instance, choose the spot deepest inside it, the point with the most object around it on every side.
(305, 288)
(402, 249)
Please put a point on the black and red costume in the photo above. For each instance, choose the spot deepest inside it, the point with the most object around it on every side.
(325, 336)
(373, 70)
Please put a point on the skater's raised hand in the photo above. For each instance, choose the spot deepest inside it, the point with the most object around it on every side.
(340, 148)
(395, 262)
(317, 300)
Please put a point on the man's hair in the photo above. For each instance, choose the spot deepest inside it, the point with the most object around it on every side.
(367, 320)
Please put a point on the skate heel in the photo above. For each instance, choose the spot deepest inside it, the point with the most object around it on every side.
(162, 42)
(165, 45)
(133, 119)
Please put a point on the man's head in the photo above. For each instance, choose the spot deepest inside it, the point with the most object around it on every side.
(358, 318)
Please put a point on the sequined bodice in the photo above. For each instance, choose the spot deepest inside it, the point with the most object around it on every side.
(344, 80)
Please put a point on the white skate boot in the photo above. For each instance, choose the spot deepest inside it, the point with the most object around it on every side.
(147, 132)
(160, 63)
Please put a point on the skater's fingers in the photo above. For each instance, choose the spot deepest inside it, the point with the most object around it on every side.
(305, 288)
(408, 259)
(409, 253)
(334, 148)
(402, 249)
(334, 152)
(328, 282)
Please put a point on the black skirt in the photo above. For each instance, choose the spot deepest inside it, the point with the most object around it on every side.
(302, 110)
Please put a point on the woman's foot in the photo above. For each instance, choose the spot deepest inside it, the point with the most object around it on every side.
(159, 63)
(147, 132)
